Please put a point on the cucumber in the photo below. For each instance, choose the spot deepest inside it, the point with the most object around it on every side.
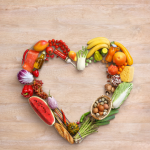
(102, 123)
(114, 111)
(104, 51)
(106, 119)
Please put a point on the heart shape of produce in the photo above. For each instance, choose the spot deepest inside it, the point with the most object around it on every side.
(103, 109)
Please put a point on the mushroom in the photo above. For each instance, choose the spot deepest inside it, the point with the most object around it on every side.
(109, 89)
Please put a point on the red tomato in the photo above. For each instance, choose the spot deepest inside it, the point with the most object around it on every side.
(49, 50)
(112, 69)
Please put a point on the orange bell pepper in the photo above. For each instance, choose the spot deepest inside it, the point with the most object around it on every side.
(111, 53)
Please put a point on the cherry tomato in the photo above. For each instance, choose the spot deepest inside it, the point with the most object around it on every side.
(62, 47)
(60, 41)
(52, 56)
(66, 46)
(49, 41)
(56, 41)
(47, 55)
(46, 59)
(59, 45)
(49, 50)
(56, 46)
(53, 40)
(51, 44)
(64, 43)
(112, 69)
(68, 50)
(64, 51)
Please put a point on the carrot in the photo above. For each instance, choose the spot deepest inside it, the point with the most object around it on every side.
(126, 52)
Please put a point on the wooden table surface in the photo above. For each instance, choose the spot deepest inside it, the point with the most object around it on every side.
(24, 22)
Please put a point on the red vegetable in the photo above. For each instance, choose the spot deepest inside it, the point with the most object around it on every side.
(35, 73)
(64, 117)
(49, 50)
(52, 56)
(112, 69)
(47, 59)
(24, 56)
(27, 91)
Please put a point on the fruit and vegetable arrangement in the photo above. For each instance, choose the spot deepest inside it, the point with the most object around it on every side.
(119, 73)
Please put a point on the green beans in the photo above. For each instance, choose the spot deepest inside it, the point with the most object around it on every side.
(83, 116)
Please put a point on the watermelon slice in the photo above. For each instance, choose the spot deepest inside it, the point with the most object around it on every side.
(42, 110)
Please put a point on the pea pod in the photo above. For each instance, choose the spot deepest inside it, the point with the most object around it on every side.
(84, 115)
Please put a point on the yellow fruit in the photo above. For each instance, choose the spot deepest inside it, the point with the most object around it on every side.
(96, 48)
(92, 40)
(97, 56)
(98, 41)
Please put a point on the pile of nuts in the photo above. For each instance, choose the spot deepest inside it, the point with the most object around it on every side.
(100, 107)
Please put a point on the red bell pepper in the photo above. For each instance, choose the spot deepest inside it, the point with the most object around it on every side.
(27, 91)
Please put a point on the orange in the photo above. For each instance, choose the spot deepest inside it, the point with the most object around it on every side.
(119, 58)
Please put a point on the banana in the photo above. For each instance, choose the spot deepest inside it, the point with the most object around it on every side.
(92, 40)
(98, 41)
(97, 47)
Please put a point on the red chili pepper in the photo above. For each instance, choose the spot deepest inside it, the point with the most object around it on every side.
(24, 56)
(27, 91)
(64, 117)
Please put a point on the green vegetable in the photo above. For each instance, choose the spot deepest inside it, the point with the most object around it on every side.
(84, 115)
(106, 119)
(91, 58)
(98, 56)
(95, 61)
(104, 51)
(121, 93)
(81, 55)
(90, 61)
(87, 60)
(86, 64)
(113, 111)
(88, 127)
(102, 123)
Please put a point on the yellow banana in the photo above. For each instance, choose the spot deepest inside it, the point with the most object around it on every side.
(98, 41)
(92, 40)
(97, 47)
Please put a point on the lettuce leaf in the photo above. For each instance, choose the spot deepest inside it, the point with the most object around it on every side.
(121, 93)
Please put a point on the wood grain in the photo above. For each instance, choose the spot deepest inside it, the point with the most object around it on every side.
(24, 22)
